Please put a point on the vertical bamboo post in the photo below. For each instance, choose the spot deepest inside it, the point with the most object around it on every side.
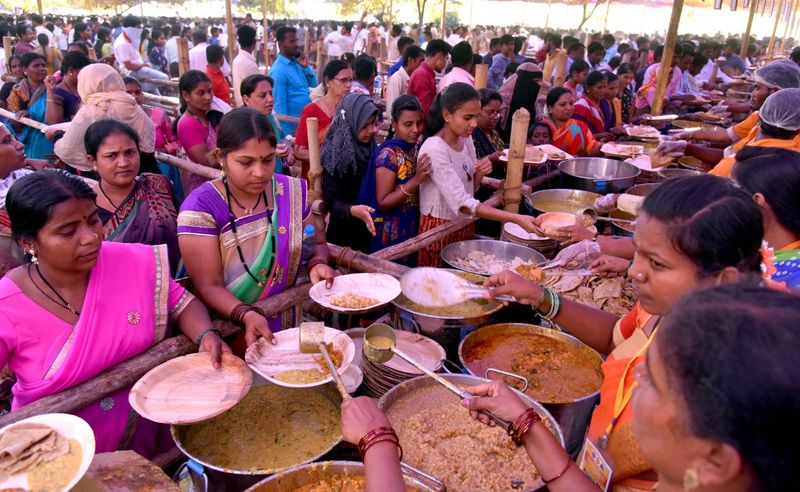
(314, 161)
(183, 55)
(746, 35)
(605, 20)
(39, 5)
(481, 76)
(547, 19)
(443, 29)
(229, 28)
(778, 14)
(665, 70)
(7, 41)
(307, 42)
(391, 14)
(789, 23)
(266, 34)
(383, 49)
(516, 160)
(320, 68)
(795, 22)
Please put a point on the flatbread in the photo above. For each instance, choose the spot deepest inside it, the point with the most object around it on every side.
(607, 288)
(24, 446)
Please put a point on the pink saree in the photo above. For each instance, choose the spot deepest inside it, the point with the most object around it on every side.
(127, 305)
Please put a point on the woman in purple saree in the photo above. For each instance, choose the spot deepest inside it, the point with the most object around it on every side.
(83, 305)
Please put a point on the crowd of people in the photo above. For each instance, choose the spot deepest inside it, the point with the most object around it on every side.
(95, 229)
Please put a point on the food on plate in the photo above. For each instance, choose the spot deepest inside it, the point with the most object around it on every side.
(530, 272)
(300, 376)
(487, 263)
(622, 149)
(555, 155)
(557, 371)
(441, 438)
(349, 300)
(50, 460)
(708, 116)
(340, 483)
(614, 294)
(270, 429)
(337, 356)
(533, 154)
(643, 132)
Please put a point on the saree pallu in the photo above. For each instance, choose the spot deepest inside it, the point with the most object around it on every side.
(787, 265)
(574, 137)
(591, 114)
(147, 216)
(271, 244)
(129, 299)
(431, 254)
(623, 449)
(35, 103)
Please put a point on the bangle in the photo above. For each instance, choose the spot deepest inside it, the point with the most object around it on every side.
(404, 190)
(555, 305)
(207, 331)
(316, 261)
(241, 309)
(538, 307)
(566, 467)
(381, 434)
(522, 425)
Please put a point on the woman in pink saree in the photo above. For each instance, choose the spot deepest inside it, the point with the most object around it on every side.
(82, 306)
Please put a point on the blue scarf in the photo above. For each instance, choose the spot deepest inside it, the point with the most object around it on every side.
(368, 195)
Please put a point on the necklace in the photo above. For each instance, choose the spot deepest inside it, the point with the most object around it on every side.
(261, 280)
(61, 301)
(247, 211)
(102, 192)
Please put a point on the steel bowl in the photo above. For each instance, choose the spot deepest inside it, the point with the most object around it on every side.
(626, 229)
(560, 200)
(572, 415)
(408, 387)
(500, 249)
(598, 175)
(302, 475)
(677, 173)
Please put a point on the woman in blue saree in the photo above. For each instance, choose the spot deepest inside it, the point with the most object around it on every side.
(29, 99)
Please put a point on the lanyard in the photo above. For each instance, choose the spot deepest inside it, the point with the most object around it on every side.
(793, 245)
(623, 397)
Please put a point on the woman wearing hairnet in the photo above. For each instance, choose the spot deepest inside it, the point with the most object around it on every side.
(779, 127)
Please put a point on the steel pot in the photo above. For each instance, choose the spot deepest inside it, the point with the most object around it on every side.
(298, 476)
(560, 200)
(573, 416)
(395, 394)
(500, 249)
(626, 229)
(598, 175)
(210, 476)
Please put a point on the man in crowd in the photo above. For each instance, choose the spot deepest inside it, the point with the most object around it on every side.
(494, 48)
(364, 71)
(219, 85)
(292, 75)
(461, 58)
(126, 51)
(171, 49)
(402, 45)
(555, 64)
(398, 82)
(609, 43)
(575, 51)
(500, 62)
(197, 55)
(245, 62)
(733, 64)
(423, 81)
(393, 43)
(595, 55)
(25, 37)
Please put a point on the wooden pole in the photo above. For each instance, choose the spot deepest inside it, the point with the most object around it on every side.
(307, 42)
(444, 20)
(25, 121)
(796, 22)
(183, 55)
(516, 159)
(391, 15)
(547, 19)
(7, 41)
(746, 35)
(481, 76)
(665, 70)
(320, 68)
(229, 28)
(266, 35)
(186, 165)
(314, 160)
(39, 5)
(605, 20)
(789, 22)
(778, 15)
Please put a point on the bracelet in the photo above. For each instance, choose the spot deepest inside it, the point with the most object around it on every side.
(316, 261)
(555, 305)
(404, 190)
(522, 425)
(207, 331)
(566, 467)
(538, 307)
(241, 309)
(380, 434)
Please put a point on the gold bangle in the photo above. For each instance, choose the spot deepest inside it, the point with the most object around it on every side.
(404, 190)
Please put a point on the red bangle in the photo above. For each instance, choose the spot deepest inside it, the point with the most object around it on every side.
(380, 434)
(522, 425)
(566, 467)
(316, 261)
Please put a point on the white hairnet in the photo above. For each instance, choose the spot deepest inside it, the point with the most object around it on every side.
(781, 74)
(782, 110)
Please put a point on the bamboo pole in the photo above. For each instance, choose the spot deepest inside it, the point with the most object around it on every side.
(187, 165)
(161, 83)
(547, 19)
(444, 20)
(25, 121)
(267, 61)
(314, 160)
(307, 43)
(229, 28)
(789, 23)
(665, 70)
(481, 76)
(165, 100)
(183, 55)
(746, 35)
(39, 6)
(7, 41)
(778, 14)
(516, 159)
(605, 20)
(320, 68)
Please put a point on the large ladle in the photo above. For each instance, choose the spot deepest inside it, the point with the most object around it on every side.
(435, 287)
(312, 341)
(380, 343)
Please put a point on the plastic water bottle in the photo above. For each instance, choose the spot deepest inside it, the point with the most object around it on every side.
(309, 244)
(377, 88)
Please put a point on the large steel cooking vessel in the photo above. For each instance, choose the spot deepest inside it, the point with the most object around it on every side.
(447, 330)
(218, 478)
(500, 249)
(626, 229)
(598, 175)
(560, 200)
(573, 416)
(407, 387)
(298, 476)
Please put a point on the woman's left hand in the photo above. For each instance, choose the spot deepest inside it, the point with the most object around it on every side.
(484, 166)
(529, 223)
(322, 272)
(214, 345)
(364, 214)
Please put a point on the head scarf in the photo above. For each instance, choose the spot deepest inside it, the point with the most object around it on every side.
(529, 71)
(103, 95)
(342, 152)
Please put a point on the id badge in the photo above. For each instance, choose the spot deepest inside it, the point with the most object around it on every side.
(595, 466)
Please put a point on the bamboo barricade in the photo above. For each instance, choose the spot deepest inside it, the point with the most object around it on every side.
(7, 42)
(266, 35)
(320, 67)
(481, 76)
(128, 372)
(187, 165)
(25, 121)
(183, 55)
(789, 22)
(665, 69)
(778, 14)
(443, 28)
(230, 32)
(314, 159)
(172, 84)
(746, 35)
(516, 159)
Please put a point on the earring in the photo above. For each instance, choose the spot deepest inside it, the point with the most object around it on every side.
(691, 479)
(34, 259)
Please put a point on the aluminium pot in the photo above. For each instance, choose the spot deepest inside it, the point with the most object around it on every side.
(573, 416)
(597, 175)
